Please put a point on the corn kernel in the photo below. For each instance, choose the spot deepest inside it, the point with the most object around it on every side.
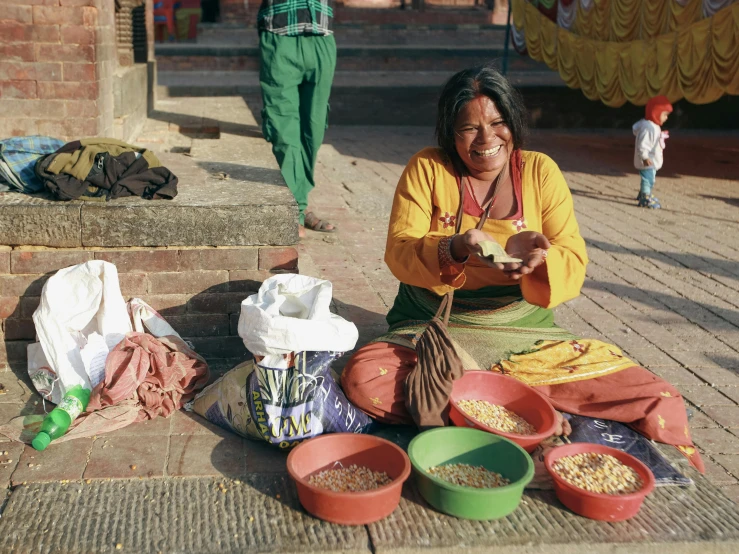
(497, 417)
(600, 473)
(350, 479)
(466, 475)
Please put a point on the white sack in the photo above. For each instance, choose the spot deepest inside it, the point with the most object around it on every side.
(77, 303)
(145, 318)
(290, 313)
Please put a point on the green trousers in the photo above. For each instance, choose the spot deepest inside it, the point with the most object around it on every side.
(296, 75)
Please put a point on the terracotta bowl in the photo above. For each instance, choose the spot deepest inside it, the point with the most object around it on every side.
(348, 508)
(510, 393)
(604, 507)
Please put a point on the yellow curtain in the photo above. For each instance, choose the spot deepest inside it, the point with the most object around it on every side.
(622, 20)
(654, 18)
(548, 42)
(681, 16)
(631, 50)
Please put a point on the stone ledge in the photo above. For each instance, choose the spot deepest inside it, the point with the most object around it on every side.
(249, 206)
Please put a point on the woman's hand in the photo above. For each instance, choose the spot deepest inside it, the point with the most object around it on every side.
(563, 429)
(530, 247)
(468, 244)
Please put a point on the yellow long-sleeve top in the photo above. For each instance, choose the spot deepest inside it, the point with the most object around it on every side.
(428, 194)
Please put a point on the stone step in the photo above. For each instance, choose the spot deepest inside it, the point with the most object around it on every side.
(432, 15)
(383, 12)
(239, 83)
(377, 13)
(222, 57)
(438, 34)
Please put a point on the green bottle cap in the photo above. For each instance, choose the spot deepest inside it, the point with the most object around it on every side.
(41, 441)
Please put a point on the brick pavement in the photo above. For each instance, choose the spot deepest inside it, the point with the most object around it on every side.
(662, 285)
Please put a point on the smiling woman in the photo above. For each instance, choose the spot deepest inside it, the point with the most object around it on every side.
(480, 185)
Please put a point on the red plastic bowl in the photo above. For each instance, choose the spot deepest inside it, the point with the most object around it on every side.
(348, 508)
(604, 507)
(510, 393)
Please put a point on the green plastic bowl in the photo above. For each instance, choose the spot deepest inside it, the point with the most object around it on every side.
(452, 445)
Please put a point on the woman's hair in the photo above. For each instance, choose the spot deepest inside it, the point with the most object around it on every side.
(467, 85)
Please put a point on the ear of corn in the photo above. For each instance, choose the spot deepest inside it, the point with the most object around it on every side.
(601, 473)
(497, 417)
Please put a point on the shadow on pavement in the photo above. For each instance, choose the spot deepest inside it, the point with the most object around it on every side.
(241, 172)
(631, 201)
(679, 260)
(729, 201)
(669, 303)
(726, 362)
(205, 127)
(688, 153)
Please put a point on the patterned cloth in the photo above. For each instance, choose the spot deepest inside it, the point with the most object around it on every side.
(296, 17)
(487, 326)
(18, 156)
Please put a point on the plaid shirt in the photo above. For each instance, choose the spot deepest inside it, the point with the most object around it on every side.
(296, 17)
(18, 156)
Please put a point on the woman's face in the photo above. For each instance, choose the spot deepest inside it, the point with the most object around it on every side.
(482, 138)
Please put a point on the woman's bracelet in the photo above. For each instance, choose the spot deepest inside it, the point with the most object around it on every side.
(446, 258)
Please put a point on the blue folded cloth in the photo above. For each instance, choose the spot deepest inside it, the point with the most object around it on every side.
(18, 157)
(617, 435)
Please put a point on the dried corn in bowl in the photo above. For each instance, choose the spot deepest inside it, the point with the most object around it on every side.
(348, 478)
(491, 470)
(498, 417)
(499, 404)
(578, 465)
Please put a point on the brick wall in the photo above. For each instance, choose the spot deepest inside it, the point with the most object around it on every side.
(235, 11)
(198, 290)
(57, 62)
(106, 63)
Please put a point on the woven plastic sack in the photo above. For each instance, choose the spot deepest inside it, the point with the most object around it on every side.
(282, 406)
(287, 394)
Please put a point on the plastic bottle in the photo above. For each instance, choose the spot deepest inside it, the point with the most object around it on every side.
(57, 422)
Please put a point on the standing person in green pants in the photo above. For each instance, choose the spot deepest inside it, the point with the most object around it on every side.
(297, 55)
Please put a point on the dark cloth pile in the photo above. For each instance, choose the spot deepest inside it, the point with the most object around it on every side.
(105, 169)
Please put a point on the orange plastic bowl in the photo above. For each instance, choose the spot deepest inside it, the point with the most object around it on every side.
(604, 507)
(348, 508)
(510, 393)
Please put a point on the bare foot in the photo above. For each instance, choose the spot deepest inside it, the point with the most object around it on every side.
(563, 428)
(301, 231)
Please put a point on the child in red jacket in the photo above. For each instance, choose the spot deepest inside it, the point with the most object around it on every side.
(650, 141)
